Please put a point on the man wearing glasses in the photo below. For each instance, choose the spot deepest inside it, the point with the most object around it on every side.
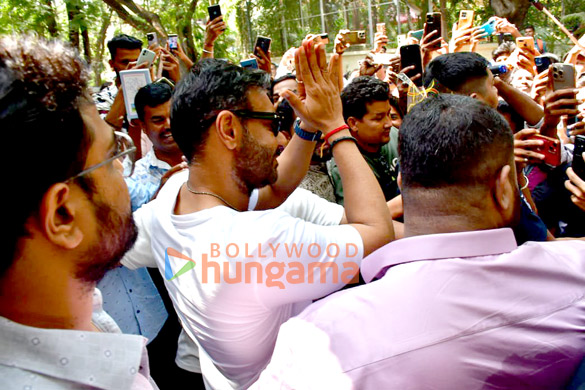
(232, 304)
(68, 221)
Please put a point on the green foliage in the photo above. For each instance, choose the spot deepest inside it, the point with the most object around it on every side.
(575, 23)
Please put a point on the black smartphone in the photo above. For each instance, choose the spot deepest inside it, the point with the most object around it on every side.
(263, 43)
(433, 23)
(214, 11)
(152, 38)
(410, 55)
(542, 63)
(578, 163)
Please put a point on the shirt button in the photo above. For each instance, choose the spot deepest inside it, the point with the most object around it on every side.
(130, 290)
(137, 311)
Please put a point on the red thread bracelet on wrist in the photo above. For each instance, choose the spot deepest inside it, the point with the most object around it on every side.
(334, 131)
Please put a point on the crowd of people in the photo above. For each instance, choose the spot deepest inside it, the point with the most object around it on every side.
(292, 227)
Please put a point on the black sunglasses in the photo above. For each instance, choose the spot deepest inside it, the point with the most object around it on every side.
(276, 118)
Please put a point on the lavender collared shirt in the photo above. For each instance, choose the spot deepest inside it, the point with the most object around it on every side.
(451, 311)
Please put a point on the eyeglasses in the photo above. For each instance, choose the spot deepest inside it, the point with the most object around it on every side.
(276, 118)
(124, 148)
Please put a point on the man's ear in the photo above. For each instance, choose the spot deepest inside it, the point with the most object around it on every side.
(504, 194)
(399, 180)
(111, 62)
(59, 218)
(352, 122)
(228, 129)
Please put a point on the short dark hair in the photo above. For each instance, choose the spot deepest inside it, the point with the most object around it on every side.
(151, 95)
(361, 91)
(211, 86)
(530, 26)
(454, 71)
(123, 41)
(42, 88)
(453, 140)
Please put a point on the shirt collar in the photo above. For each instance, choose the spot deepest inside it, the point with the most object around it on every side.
(155, 162)
(64, 354)
(437, 247)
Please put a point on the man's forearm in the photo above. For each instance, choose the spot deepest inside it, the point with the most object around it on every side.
(117, 111)
(293, 164)
(522, 103)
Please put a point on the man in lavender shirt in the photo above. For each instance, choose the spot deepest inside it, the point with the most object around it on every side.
(456, 304)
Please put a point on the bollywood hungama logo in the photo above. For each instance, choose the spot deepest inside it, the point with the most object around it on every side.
(242, 265)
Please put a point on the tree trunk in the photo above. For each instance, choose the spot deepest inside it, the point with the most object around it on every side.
(72, 12)
(98, 65)
(185, 30)
(513, 10)
(51, 19)
(143, 21)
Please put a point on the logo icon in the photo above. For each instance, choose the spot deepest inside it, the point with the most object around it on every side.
(169, 275)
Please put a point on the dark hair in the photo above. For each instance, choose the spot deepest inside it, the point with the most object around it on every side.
(123, 41)
(455, 70)
(151, 95)
(504, 48)
(530, 26)
(211, 86)
(453, 140)
(361, 91)
(42, 87)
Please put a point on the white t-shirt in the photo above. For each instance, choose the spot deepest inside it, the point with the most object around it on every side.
(251, 271)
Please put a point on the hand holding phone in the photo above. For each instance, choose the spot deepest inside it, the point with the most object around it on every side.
(263, 43)
(146, 56)
(410, 56)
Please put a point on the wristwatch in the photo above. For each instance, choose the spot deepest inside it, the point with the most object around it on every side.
(306, 135)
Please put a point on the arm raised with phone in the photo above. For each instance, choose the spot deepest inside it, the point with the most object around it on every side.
(365, 206)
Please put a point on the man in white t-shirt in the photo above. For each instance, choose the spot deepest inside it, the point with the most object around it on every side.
(235, 276)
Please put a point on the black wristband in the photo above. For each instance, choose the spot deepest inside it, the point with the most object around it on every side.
(342, 139)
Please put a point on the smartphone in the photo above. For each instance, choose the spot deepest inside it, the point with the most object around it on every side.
(578, 163)
(151, 38)
(214, 11)
(525, 43)
(356, 37)
(542, 63)
(418, 34)
(433, 23)
(173, 41)
(381, 28)
(410, 55)
(145, 56)
(563, 77)
(250, 63)
(263, 43)
(551, 149)
(489, 27)
(465, 19)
